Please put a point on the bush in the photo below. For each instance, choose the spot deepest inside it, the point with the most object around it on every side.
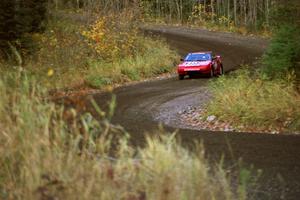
(114, 36)
(253, 102)
(63, 50)
(283, 53)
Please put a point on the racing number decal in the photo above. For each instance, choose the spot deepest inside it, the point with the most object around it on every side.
(192, 64)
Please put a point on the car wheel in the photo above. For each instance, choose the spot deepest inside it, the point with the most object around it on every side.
(180, 77)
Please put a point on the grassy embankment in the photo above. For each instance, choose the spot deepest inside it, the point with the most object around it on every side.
(266, 99)
(48, 153)
(109, 51)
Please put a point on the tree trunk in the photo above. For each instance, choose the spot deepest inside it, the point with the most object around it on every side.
(267, 12)
(245, 13)
(228, 12)
(235, 12)
(212, 10)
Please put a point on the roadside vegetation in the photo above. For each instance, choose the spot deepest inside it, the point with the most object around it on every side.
(88, 50)
(50, 152)
(248, 102)
(101, 54)
(266, 98)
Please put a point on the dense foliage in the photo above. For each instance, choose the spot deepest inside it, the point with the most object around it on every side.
(283, 54)
(18, 21)
(113, 37)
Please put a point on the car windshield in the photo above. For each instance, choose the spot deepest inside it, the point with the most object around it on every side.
(198, 57)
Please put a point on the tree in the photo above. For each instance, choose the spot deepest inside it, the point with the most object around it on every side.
(18, 20)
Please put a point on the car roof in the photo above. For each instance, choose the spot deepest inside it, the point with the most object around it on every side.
(201, 52)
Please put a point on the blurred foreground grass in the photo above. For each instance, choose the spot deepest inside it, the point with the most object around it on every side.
(50, 152)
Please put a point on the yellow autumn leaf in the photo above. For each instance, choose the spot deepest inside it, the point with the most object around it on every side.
(50, 72)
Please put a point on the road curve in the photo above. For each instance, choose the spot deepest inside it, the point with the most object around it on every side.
(140, 106)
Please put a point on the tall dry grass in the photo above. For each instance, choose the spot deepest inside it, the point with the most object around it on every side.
(43, 157)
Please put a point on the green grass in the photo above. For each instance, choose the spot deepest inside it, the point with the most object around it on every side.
(157, 59)
(48, 152)
(245, 99)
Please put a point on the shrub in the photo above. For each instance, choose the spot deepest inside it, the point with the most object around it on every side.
(63, 50)
(114, 36)
(283, 53)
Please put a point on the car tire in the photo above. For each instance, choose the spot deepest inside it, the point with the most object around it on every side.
(180, 77)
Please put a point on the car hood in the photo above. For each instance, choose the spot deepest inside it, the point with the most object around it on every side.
(194, 63)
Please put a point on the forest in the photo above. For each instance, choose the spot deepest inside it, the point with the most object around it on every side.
(236, 15)
(254, 14)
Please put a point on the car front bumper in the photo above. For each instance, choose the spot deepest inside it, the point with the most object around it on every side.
(194, 70)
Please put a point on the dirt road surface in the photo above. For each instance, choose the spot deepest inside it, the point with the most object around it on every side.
(141, 107)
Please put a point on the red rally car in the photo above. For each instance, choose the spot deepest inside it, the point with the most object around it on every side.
(200, 63)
